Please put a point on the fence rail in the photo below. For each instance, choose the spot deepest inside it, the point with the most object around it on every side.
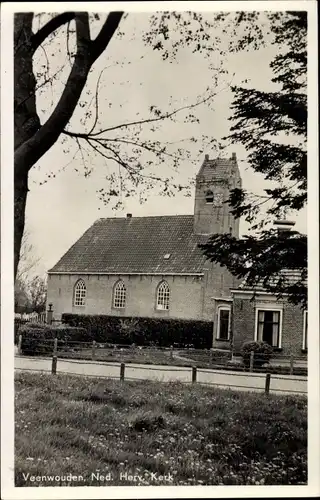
(203, 358)
(212, 375)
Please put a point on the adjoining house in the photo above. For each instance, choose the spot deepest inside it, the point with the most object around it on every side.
(152, 266)
(260, 316)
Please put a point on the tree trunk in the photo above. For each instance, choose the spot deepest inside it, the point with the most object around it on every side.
(32, 140)
(20, 200)
(26, 120)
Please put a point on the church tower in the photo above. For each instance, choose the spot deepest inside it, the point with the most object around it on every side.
(214, 182)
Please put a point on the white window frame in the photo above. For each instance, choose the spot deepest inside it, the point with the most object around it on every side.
(223, 308)
(160, 305)
(79, 294)
(119, 295)
(269, 308)
(305, 330)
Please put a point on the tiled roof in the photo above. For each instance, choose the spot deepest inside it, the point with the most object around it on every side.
(289, 276)
(163, 244)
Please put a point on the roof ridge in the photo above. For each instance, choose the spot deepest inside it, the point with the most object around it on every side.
(144, 217)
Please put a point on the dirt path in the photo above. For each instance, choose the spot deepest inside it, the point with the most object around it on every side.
(280, 384)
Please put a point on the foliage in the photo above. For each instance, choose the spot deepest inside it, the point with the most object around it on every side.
(148, 331)
(272, 126)
(37, 339)
(201, 435)
(38, 294)
(128, 151)
(30, 294)
(262, 353)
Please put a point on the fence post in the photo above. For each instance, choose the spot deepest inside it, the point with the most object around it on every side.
(19, 343)
(291, 364)
(49, 314)
(210, 357)
(251, 360)
(93, 349)
(55, 347)
(194, 374)
(171, 352)
(54, 365)
(267, 387)
(122, 368)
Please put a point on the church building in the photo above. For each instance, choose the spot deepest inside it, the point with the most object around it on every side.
(152, 266)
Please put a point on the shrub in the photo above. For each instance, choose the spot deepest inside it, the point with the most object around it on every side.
(262, 353)
(19, 323)
(38, 339)
(144, 331)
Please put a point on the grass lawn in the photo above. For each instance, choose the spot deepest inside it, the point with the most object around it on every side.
(152, 433)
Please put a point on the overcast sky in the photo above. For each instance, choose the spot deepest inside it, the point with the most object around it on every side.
(60, 210)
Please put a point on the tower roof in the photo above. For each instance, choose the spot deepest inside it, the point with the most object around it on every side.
(220, 168)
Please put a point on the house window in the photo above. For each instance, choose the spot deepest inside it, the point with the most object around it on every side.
(80, 291)
(305, 331)
(209, 197)
(268, 327)
(119, 295)
(163, 296)
(223, 332)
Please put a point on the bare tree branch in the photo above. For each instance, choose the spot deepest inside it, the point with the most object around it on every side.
(106, 34)
(162, 116)
(38, 38)
(31, 151)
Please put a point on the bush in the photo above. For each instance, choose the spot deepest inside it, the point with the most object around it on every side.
(19, 323)
(38, 339)
(144, 331)
(262, 353)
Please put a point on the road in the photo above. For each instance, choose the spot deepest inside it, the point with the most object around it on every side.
(280, 384)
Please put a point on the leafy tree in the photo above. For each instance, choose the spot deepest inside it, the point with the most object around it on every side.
(120, 144)
(272, 126)
(27, 264)
(37, 292)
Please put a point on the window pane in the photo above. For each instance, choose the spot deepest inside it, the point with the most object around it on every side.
(224, 324)
(119, 299)
(163, 296)
(269, 327)
(80, 294)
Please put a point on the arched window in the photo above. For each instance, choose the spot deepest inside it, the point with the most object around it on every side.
(163, 296)
(119, 295)
(209, 196)
(79, 296)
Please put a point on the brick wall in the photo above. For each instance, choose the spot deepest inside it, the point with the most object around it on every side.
(217, 284)
(186, 295)
(243, 320)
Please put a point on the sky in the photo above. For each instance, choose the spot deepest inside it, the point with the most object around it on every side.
(60, 209)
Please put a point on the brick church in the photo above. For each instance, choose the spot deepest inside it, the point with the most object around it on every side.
(152, 266)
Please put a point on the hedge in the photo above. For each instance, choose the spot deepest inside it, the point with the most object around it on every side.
(37, 339)
(144, 331)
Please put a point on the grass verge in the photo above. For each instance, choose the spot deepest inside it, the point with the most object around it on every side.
(77, 431)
